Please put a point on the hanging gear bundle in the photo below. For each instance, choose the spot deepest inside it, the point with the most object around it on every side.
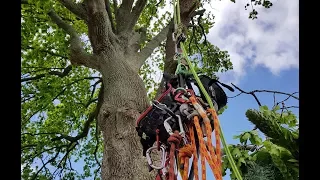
(173, 111)
(172, 103)
(177, 122)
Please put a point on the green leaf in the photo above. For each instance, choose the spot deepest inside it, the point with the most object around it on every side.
(276, 108)
(293, 160)
(236, 152)
(245, 137)
(236, 137)
(255, 140)
(263, 108)
(242, 160)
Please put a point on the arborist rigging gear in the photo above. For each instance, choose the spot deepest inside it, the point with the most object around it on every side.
(179, 120)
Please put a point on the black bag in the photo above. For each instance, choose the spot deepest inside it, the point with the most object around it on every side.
(214, 90)
(152, 119)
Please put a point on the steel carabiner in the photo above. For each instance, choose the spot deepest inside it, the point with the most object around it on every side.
(163, 157)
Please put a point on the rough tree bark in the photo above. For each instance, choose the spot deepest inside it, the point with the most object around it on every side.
(116, 57)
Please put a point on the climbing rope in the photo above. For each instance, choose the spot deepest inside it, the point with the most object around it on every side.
(207, 97)
(177, 128)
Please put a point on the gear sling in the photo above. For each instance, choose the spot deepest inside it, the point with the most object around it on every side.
(178, 120)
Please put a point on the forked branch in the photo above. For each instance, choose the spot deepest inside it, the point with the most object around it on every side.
(78, 55)
(108, 8)
(136, 12)
(151, 45)
(99, 26)
(77, 9)
(65, 72)
(86, 127)
(268, 91)
(127, 16)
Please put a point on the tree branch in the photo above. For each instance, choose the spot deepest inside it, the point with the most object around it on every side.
(135, 14)
(65, 72)
(268, 91)
(289, 107)
(51, 160)
(92, 92)
(150, 46)
(251, 93)
(86, 126)
(77, 9)
(78, 55)
(25, 99)
(97, 172)
(286, 98)
(115, 7)
(126, 5)
(47, 170)
(60, 93)
(84, 132)
(107, 2)
(99, 25)
(48, 52)
(123, 16)
(127, 16)
(277, 92)
(70, 147)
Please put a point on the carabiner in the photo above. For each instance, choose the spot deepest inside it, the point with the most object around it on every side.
(180, 96)
(169, 129)
(163, 107)
(163, 157)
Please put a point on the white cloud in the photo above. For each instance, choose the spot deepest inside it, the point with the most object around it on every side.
(271, 41)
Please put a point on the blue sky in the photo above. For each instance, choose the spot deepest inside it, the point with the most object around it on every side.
(264, 53)
(234, 121)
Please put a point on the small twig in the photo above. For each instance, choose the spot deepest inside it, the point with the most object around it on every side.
(70, 164)
(235, 95)
(290, 95)
(47, 170)
(259, 91)
(95, 175)
(64, 159)
(47, 52)
(252, 93)
(277, 92)
(51, 160)
(290, 107)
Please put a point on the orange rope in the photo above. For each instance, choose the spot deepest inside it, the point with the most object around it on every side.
(204, 152)
(214, 159)
(195, 156)
(174, 141)
(217, 134)
(185, 153)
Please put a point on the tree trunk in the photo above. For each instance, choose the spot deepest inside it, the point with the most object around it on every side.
(125, 97)
(115, 56)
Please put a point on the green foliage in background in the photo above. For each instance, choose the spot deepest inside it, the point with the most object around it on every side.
(276, 157)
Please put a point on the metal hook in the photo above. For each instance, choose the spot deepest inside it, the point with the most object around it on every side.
(169, 129)
(163, 157)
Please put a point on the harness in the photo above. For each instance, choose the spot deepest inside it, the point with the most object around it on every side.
(177, 123)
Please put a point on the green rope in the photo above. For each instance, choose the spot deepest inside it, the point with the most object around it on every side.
(229, 156)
